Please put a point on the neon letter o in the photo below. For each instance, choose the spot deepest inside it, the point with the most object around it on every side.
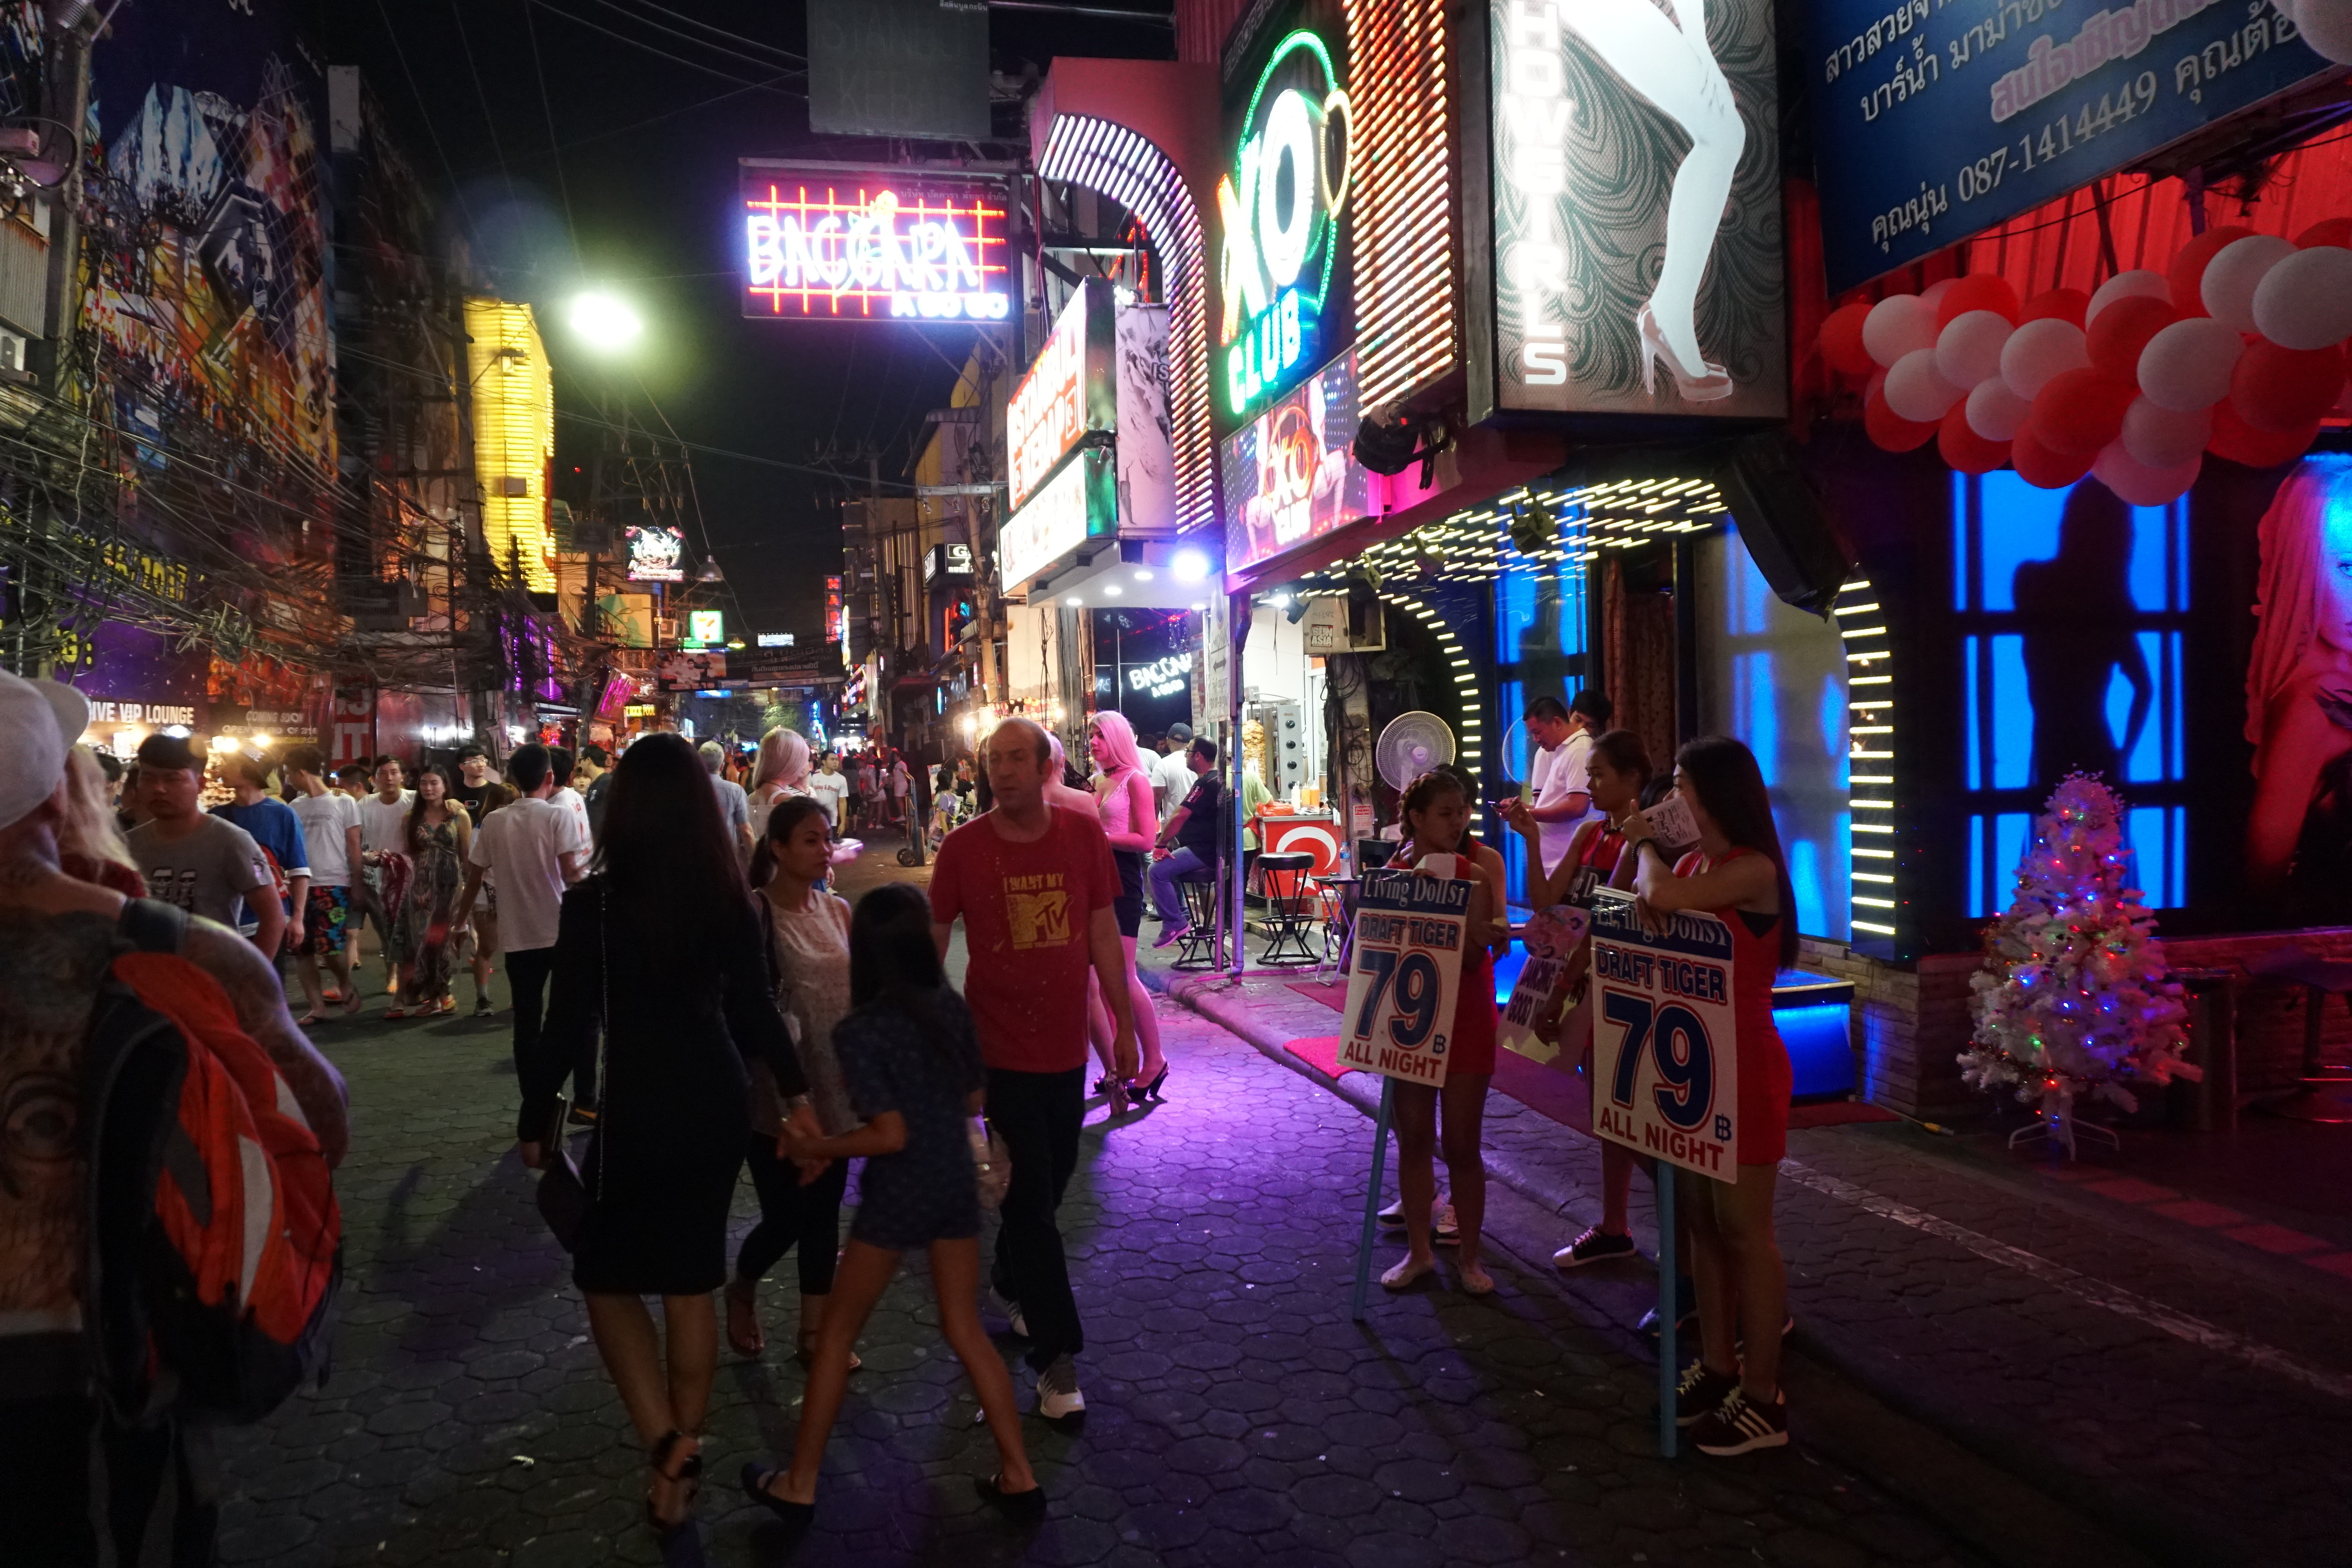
(1285, 230)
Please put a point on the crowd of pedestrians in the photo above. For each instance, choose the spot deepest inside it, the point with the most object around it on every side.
(687, 987)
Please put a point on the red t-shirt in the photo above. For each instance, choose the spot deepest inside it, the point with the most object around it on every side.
(1026, 909)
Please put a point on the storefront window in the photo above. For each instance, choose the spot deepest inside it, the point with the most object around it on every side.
(2073, 607)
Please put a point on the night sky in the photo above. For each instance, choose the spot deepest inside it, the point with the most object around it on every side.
(644, 152)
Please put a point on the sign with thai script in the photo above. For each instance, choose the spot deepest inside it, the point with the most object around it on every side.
(1665, 1058)
(1074, 506)
(656, 554)
(1066, 394)
(1602, 120)
(1282, 274)
(1551, 938)
(1933, 122)
(1406, 975)
(1292, 475)
(822, 244)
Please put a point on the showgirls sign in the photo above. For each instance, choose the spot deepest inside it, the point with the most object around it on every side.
(820, 243)
(1292, 475)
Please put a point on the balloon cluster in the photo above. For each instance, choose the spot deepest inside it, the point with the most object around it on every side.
(2237, 349)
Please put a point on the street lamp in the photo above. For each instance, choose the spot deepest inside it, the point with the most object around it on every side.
(605, 322)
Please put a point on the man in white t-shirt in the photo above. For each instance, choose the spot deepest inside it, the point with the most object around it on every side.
(829, 784)
(1560, 775)
(902, 785)
(330, 828)
(575, 804)
(384, 826)
(536, 852)
(1171, 772)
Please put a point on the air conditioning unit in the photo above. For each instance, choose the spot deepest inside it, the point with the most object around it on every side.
(665, 631)
(11, 353)
(513, 485)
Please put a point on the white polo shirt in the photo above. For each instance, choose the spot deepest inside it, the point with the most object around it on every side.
(1561, 771)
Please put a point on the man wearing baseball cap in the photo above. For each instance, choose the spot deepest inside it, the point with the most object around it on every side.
(59, 1450)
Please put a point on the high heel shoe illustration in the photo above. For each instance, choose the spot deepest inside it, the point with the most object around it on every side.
(1713, 384)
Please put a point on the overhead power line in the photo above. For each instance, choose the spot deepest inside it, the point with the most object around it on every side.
(733, 41)
(662, 54)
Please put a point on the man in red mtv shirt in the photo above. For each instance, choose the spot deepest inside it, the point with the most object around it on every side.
(1035, 887)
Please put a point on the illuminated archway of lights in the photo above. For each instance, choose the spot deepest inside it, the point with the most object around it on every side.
(1475, 544)
(1469, 740)
(1870, 752)
(1093, 152)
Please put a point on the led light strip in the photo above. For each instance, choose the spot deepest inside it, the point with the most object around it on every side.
(1590, 519)
(1870, 752)
(1085, 150)
(1397, 54)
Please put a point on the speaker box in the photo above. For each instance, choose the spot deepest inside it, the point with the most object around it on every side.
(1787, 531)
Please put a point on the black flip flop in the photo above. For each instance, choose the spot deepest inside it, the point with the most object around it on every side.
(798, 1515)
(1022, 1507)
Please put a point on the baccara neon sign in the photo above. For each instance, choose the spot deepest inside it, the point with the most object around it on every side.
(1280, 207)
(872, 246)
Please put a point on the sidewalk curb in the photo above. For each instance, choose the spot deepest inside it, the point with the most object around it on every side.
(1860, 1414)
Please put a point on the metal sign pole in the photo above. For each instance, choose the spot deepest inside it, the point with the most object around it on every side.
(1669, 1345)
(1372, 1197)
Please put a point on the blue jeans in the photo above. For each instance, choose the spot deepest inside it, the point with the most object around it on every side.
(1181, 865)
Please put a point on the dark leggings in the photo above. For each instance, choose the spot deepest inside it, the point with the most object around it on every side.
(790, 1213)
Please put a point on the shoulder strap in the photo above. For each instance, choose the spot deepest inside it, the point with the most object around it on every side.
(153, 926)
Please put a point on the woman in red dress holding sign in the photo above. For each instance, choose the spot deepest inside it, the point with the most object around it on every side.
(1739, 876)
(1436, 811)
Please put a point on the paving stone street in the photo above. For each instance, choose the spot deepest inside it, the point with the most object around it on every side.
(1236, 1415)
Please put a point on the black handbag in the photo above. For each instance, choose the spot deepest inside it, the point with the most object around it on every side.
(562, 1195)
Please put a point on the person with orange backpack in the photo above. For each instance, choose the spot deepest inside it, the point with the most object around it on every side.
(169, 1239)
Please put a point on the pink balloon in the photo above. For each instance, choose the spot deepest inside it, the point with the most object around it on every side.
(2186, 367)
(2125, 286)
(1996, 412)
(2134, 483)
(1895, 326)
(1933, 295)
(2041, 349)
(2231, 278)
(1916, 392)
(1968, 351)
(2160, 437)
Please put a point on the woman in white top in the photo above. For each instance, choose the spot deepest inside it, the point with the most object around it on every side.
(782, 769)
(808, 949)
(1129, 814)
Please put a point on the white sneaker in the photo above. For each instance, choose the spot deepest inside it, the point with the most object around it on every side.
(1012, 1314)
(1057, 1390)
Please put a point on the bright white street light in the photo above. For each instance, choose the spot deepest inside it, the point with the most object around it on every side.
(605, 322)
(1190, 565)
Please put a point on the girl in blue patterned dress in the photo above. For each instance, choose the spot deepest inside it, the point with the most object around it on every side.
(911, 1061)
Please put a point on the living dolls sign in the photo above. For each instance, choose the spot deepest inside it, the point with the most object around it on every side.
(1409, 929)
(1665, 1048)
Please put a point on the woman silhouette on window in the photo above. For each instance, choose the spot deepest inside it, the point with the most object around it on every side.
(2076, 610)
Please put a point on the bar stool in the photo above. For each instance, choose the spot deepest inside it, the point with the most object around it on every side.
(1201, 947)
(1287, 901)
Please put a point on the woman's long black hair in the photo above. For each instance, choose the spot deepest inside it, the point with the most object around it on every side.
(665, 854)
(783, 821)
(1731, 786)
(413, 827)
(893, 960)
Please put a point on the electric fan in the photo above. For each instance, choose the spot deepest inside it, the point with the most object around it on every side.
(1411, 744)
(1519, 754)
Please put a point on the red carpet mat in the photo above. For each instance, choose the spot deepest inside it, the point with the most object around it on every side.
(1321, 1052)
(1332, 993)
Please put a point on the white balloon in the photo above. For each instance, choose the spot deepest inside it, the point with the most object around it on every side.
(2039, 351)
(2185, 366)
(2125, 286)
(1996, 412)
(2137, 484)
(2161, 438)
(2232, 276)
(1968, 351)
(2327, 27)
(1933, 295)
(1915, 391)
(2306, 302)
(1895, 326)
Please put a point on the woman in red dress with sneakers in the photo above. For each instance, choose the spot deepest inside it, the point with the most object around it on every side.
(1738, 875)
(1436, 816)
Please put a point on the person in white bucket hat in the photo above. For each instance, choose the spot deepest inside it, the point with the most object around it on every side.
(58, 1448)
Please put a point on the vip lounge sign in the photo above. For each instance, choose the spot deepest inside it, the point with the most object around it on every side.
(1634, 183)
(1282, 204)
(1068, 394)
(1406, 975)
(826, 242)
(1665, 1057)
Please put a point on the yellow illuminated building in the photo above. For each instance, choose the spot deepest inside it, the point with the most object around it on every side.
(514, 435)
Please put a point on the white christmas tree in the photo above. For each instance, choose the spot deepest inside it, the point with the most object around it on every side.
(2074, 999)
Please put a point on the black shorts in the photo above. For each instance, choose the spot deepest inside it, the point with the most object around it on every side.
(1129, 905)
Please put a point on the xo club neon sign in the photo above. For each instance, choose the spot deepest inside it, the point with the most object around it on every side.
(1280, 208)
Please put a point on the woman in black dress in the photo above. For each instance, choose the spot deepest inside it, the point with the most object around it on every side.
(661, 948)
(911, 1058)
